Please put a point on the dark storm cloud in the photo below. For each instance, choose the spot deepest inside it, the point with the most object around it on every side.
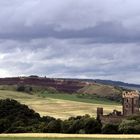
(104, 32)
(102, 22)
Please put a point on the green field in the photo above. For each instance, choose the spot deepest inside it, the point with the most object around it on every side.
(60, 105)
(74, 97)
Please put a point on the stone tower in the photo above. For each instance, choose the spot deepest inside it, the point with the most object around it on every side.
(130, 103)
(99, 112)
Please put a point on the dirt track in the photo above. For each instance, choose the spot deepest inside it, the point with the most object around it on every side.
(68, 135)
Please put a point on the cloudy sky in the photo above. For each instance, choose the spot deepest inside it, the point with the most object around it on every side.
(97, 39)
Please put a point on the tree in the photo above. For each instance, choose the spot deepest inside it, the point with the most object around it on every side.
(4, 124)
(14, 115)
(54, 126)
(20, 88)
(128, 127)
(110, 129)
(92, 126)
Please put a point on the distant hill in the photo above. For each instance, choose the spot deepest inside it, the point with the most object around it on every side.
(119, 83)
(64, 85)
(86, 88)
(112, 83)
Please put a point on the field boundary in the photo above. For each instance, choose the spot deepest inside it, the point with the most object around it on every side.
(54, 135)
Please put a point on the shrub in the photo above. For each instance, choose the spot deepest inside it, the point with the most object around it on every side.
(20, 88)
(110, 129)
(128, 127)
(92, 126)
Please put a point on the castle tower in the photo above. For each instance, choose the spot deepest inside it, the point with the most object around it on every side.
(130, 103)
(99, 112)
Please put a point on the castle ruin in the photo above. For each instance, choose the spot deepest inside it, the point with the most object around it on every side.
(130, 103)
(130, 106)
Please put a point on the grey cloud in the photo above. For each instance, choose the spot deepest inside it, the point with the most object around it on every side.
(103, 23)
(63, 58)
(80, 39)
(104, 32)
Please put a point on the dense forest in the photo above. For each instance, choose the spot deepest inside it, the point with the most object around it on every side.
(18, 118)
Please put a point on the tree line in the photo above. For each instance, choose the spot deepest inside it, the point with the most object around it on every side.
(19, 118)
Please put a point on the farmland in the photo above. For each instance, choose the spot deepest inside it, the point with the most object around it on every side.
(60, 106)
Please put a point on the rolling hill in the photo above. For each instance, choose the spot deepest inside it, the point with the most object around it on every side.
(70, 86)
(102, 91)
(116, 83)
(60, 105)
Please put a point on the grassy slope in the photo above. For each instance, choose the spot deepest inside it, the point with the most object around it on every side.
(74, 97)
(100, 89)
(59, 107)
(105, 91)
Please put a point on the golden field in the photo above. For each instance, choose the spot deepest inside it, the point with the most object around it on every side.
(58, 108)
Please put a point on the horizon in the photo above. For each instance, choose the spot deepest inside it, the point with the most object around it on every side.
(85, 39)
(67, 78)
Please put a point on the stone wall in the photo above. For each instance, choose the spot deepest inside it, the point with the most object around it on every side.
(111, 119)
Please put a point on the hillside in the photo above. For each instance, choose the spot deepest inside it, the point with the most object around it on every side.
(70, 86)
(102, 91)
(64, 85)
(115, 83)
(60, 106)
